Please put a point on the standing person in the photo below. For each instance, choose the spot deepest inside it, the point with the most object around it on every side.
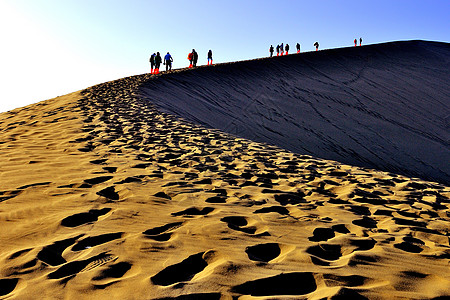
(190, 58)
(298, 48)
(168, 61)
(194, 58)
(278, 50)
(355, 42)
(360, 41)
(158, 62)
(287, 49)
(282, 49)
(271, 50)
(316, 44)
(152, 62)
(210, 57)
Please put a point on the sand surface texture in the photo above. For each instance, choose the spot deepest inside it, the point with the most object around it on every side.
(103, 196)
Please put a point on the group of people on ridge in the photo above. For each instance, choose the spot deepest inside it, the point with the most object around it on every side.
(281, 49)
(360, 41)
(156, 60)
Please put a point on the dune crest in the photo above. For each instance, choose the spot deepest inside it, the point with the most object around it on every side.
(102, 195)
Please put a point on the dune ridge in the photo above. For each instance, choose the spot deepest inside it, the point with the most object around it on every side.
(383, 106)
(102, 195)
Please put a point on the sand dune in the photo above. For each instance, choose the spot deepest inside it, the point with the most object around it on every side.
(104, 196)
(382, 106)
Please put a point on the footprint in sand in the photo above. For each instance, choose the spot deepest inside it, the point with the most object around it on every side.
(162, 233)
(84, 218)
(8, 285)
(75, 267)
(185, 270)
(282, 284)
(242, 224)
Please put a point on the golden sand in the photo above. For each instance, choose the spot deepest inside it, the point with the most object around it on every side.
(102, 196)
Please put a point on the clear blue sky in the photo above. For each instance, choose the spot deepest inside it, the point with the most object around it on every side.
(54, 47)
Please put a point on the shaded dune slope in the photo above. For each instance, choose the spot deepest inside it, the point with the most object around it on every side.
(383, 106)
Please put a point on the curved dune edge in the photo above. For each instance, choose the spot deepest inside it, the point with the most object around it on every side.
(103, 195)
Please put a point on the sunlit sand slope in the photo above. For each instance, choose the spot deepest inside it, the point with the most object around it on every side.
(102, 196)
(382, 106)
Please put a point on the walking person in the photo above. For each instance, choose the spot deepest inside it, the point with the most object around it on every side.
(271, 50)
(158, 62)
(190, 58)
(152, 62)
(278, 50)
(287, 49)
(282, 49)
(298, 47)
(356, 42)
(210, 57)
(316, 44)
(194, 58)
(168, 61)
(360, 41)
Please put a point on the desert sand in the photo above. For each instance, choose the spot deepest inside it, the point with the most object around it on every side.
(103, 194)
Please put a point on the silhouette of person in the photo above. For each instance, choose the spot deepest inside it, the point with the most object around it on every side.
(316, 44)
(360, 41)
(278, 50)
(282, 49)
(210, 57)
(287, 49)
(356, 42)
(168, 61)
(271, 50)
(152, 62)
(158, 62)
(194, 58)
(298, 47)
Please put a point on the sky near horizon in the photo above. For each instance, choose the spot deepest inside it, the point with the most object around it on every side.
(54, 47)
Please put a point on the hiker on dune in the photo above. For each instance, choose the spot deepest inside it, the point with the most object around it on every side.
(287, 49)
(360, 41)
(152, 62)
(316, 44)
(190, 58)
(194, 58)
(168, 61)
(158, 62)
(278, 50)
(356, 42)
(210, 57)
(271, 50)
(282, 49)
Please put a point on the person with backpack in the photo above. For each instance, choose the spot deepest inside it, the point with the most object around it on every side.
(271, 50)
(316, 44)
(278, 50)
(356, 42)
(194, 58)
(298, 48)
(168, 61)
(287, 49)
(158, 62)
(152, 62)
(210, 57)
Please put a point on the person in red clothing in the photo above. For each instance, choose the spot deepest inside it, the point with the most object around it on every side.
(356, 42)
(316, 44)
(190, 58)
(298, 48)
